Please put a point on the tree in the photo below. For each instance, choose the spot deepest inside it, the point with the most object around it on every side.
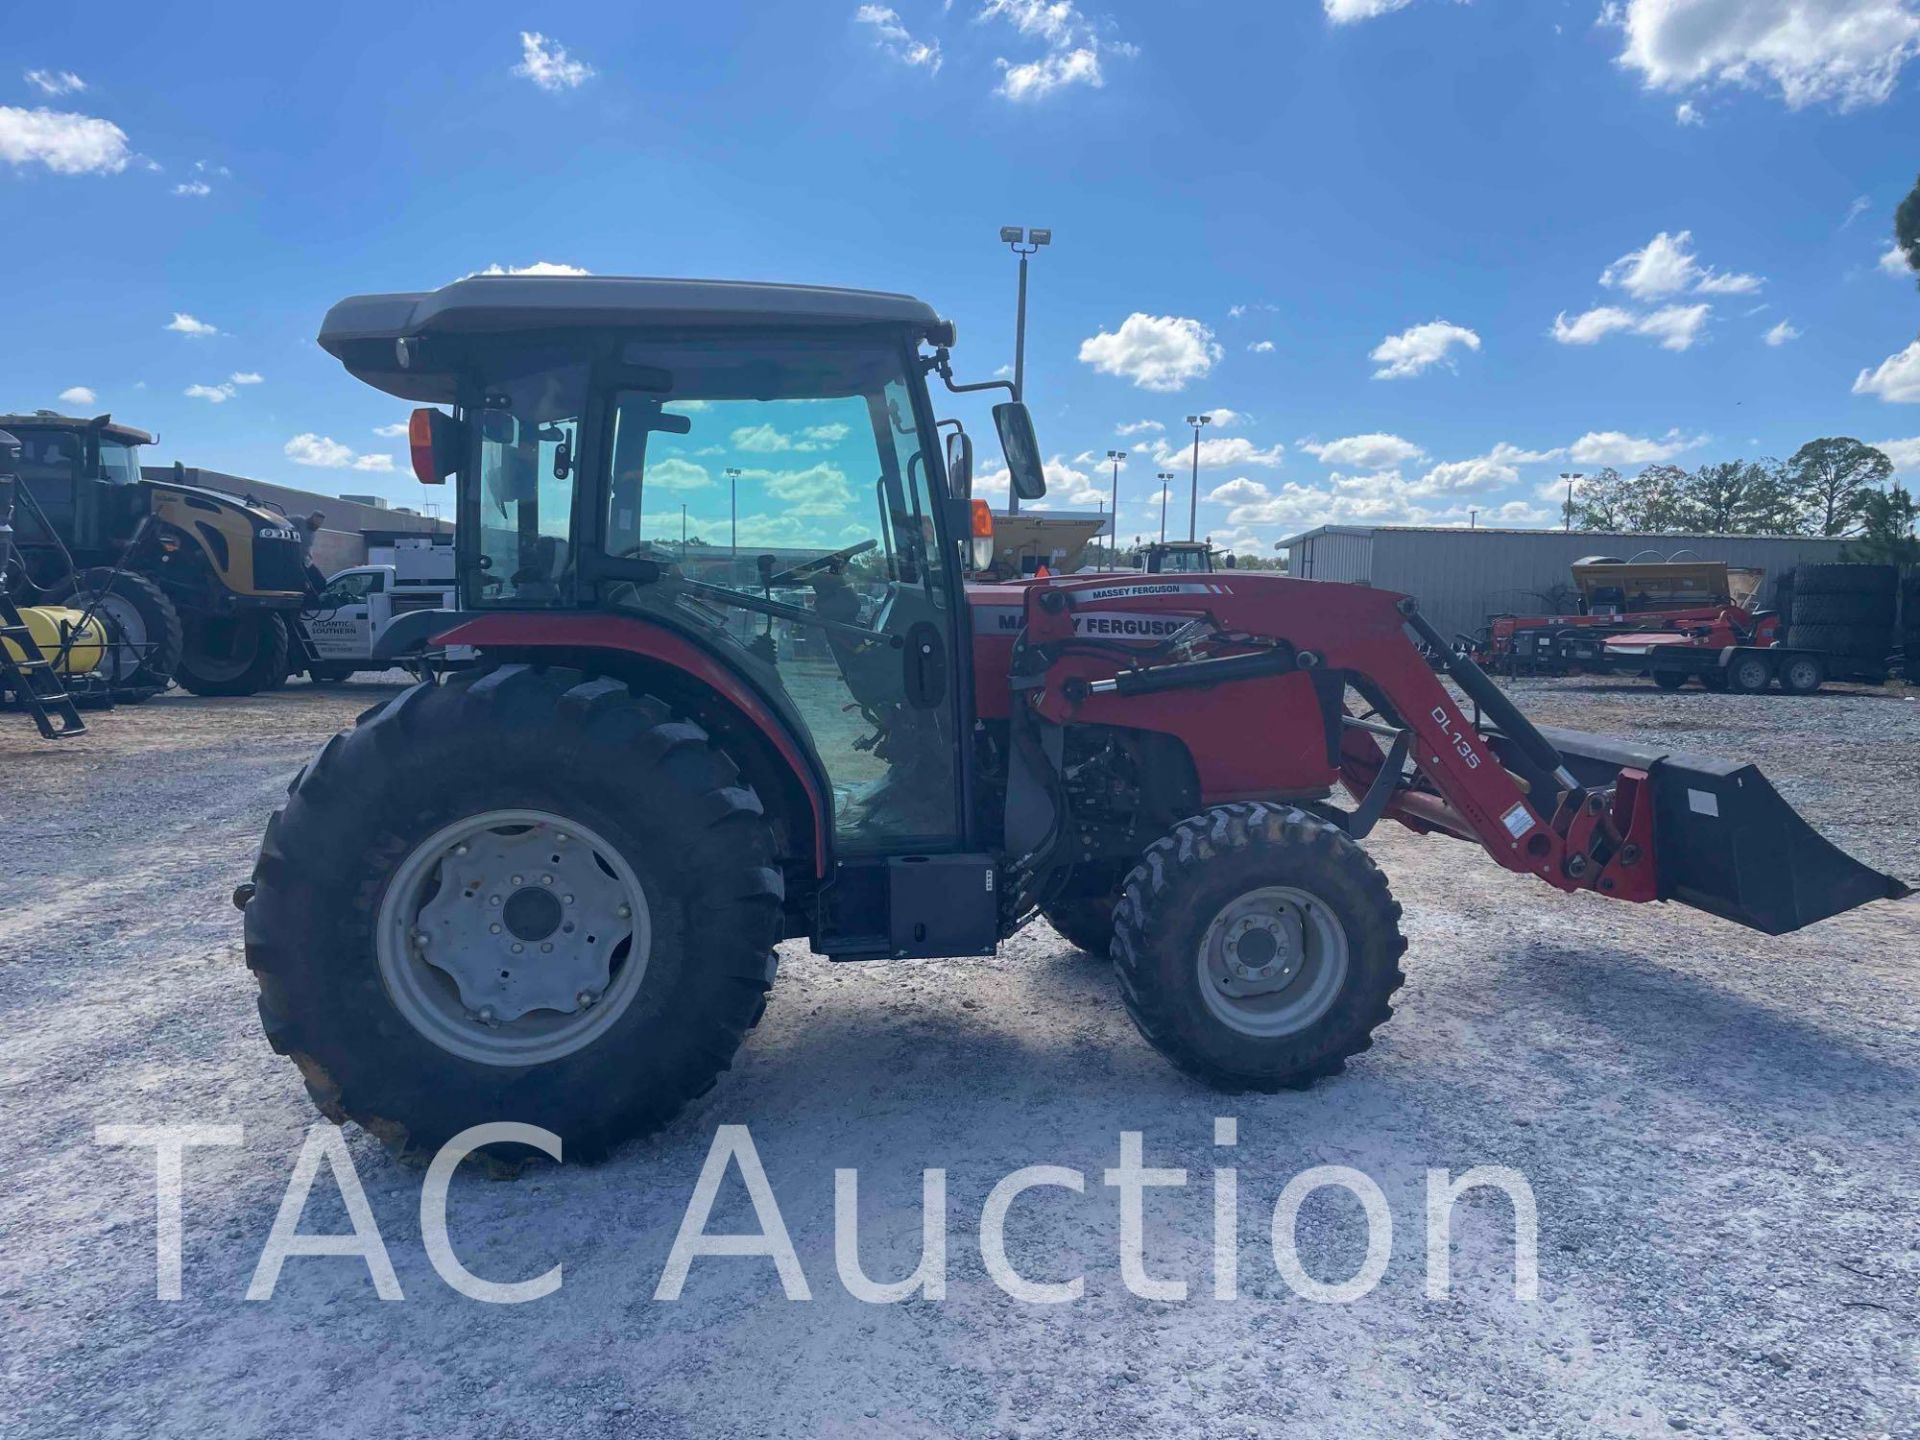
(1657, 500)
(1906, 229)
(1886, 529)
(1599, 501)
(1738, 497)
(1827, 476)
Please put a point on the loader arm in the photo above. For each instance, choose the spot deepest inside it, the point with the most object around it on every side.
(1579, 812)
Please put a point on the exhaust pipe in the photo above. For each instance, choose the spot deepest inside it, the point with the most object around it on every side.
(1724, 840)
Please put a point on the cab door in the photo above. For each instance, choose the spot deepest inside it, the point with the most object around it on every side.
(340, 622)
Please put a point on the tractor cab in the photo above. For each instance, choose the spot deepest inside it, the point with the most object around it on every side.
(84, 478)
(1177, 557)
(751, 472)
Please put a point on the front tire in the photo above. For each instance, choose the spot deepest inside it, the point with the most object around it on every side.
(234, 655)
(1749, 675)
(1257, 947)
(1669, 679)
(142, 625)
(391, 978)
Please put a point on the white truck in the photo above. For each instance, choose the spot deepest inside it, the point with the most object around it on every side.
(343, 623)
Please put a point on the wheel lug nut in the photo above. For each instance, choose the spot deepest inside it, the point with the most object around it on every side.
(586, 998)
(516, 879)
(459, 849)
(625, 912)
(547, 949)
(494, 928)
(546, 879)
(494, 900)
(518, 947)
(421, 937)
(484, 1015)
(566, 899)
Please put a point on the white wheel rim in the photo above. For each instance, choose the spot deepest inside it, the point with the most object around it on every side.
(126, 632)
(513, 937)
(1272, 962)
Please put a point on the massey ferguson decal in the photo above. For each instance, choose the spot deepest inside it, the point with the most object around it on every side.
(1134, 592)
(1092, 624)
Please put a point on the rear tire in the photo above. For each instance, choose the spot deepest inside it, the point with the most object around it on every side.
(234, 655)
(1749, 674)
(1669, 679)
(1257, 947)
(355, 861)
(142, 624)
(1802, 675)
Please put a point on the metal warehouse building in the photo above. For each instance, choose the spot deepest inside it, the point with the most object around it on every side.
(1462, 576)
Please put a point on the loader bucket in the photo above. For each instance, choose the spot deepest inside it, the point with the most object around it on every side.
(1725, 842)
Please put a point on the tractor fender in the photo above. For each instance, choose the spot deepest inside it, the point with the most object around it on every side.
(617, 636)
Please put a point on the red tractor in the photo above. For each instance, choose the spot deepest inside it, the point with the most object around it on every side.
(735, 688)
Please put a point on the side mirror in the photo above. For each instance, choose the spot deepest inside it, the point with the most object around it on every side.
(1022, 450)
(960, 465)
(433, 439)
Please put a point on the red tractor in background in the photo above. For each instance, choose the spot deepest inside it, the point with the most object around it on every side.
(549, 889)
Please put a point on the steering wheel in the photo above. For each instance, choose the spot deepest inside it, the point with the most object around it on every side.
(825, 562)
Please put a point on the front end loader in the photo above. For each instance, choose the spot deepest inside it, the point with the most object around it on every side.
(725, 699)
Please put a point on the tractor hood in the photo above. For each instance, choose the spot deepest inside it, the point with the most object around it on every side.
(364, 331)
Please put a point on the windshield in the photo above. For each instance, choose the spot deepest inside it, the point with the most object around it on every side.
(742, 463)
(119, 462)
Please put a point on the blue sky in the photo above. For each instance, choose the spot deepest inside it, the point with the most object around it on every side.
(1426, 255)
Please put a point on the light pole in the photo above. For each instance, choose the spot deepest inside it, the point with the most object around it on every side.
(1193, 504)
(1570, 479)
(733, 506)
(1166, 484)
(1023, 242)
(683, 532)
(1113, 540)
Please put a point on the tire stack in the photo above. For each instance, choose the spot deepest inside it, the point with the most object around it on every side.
(1846, 612)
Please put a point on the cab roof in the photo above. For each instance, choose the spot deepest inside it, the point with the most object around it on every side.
(52, 420)
(360, 331)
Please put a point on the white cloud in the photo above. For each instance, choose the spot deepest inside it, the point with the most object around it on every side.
(1894, 262)
(1861, 204)
(1418, 349)
(318, 450)
(65, 143)
(1676, 327)
(1616, 447)
(1905, 454)
(1842, 52)
(890, 35)
(193, 188)
(55, 82)
(1781, 334)
(546, 63)
(1225, 418)
(78, 395)
(539, 267)
(184, 324)
(1897, 379)
(1591, 326)
(1261, 347)
(1685, 114)
(1036, 79)
(1220, 453)
(1139, 427)
(1155, 352)
(216, 394)
(1365, 452)
(1668, 266)
(1074, 48)
(373, 462)
(250, 377)
(1346, 12)
(673, 473)
(391, 432)
(1499, 467)
(1239, 492)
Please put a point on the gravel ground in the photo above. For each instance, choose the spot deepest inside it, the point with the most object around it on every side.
(1720, 1130)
